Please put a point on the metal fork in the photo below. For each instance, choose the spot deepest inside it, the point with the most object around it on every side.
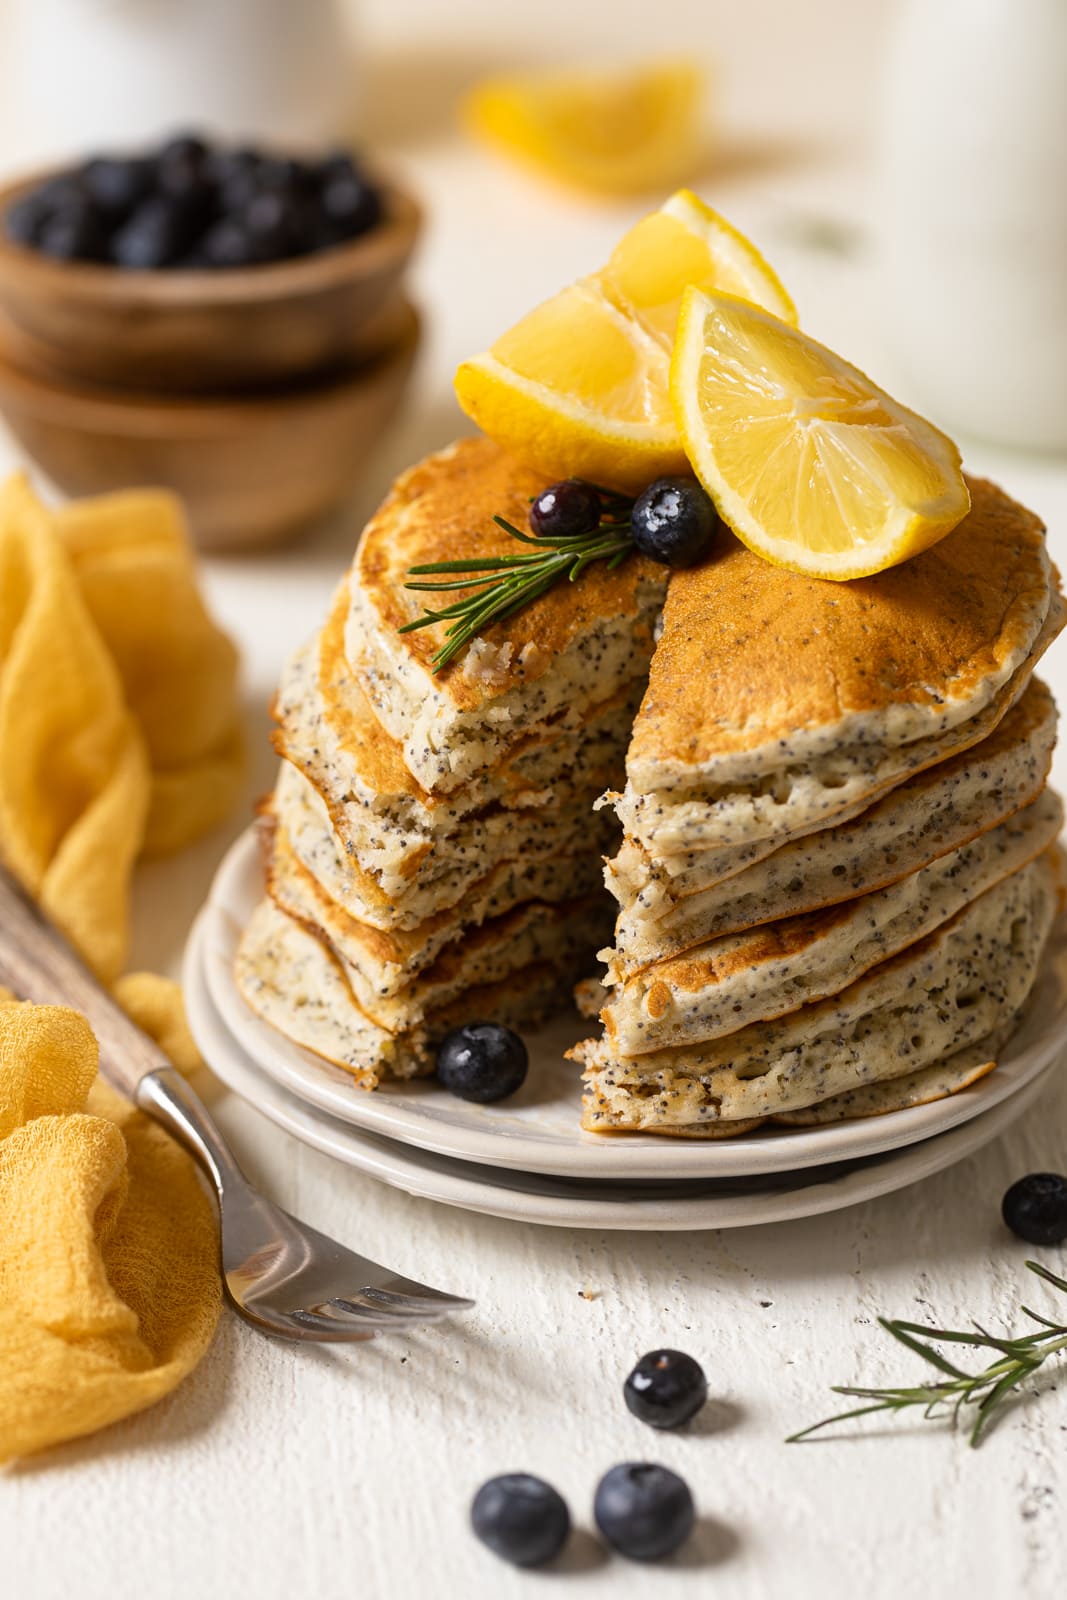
(282, 1276)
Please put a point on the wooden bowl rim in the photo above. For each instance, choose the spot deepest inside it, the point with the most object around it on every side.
(142, 414)
(169, 287)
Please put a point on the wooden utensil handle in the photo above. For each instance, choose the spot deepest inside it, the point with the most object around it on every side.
(36, 963)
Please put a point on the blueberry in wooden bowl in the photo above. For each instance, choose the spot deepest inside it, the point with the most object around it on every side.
(193, 268)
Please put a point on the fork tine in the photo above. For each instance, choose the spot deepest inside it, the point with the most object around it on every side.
(408, 1289)
(360, 1304)
(360, 1326)
(428, 1300)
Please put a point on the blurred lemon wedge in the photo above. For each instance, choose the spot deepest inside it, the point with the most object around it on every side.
(581, 386)
(616, 131)
(812, 465)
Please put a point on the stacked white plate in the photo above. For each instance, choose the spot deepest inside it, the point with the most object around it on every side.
(528, 1159)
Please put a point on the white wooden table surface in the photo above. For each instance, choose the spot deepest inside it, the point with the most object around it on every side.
(277, 1473)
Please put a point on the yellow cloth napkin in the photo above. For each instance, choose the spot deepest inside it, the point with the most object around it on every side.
(119, 735)
(119, 728)
(109, 1288)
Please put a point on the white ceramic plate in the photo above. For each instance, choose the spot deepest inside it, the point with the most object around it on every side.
(563, 1202)
(537, 1130)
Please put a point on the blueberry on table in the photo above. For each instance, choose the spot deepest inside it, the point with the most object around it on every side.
(674, 522)
(482, 1061)
(666, 1388)
(566, 510)
(521, 1518)
(1035, 1208)
(644, 1511)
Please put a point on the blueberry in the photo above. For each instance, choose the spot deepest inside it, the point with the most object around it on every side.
(73, 233)
(227, 243)
(23, 219)
(521, 1518)
(184, 147)
(644, 1511)
(338, 164)
(350, 205)
(674, 522)
(666, 1388)
(116, 184)
(1035, 1208)
(482, 1061)
(566, 510)
(266, 219)
(156, 234)
(26, 216)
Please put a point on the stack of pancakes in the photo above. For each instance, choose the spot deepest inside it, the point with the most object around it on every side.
(837, 878)
(432, 852)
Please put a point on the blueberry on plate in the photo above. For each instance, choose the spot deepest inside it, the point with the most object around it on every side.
(482, 1061)
(1035, 1208)
(521, 1518)
(566, 510)
(666, 1388)
(674, 522)
(644, 1511)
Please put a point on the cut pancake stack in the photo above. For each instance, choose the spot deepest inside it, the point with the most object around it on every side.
(837, 875)
(433, 855)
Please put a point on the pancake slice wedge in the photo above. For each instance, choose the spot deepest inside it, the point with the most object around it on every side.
(948, 991)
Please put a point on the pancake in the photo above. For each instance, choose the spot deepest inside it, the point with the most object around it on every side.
(922, 1088)
(494, 859)
(770, 971)
(665, 912)
(778, 702)
(542, 668)
(290, 980)
(396, 982)
(392, 828)
(948, 992)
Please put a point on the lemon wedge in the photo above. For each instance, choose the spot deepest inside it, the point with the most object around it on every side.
(618, 131)
(812, 465)
(581, 386)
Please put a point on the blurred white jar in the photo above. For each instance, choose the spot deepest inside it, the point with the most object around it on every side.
(85, 73)
(974, 215)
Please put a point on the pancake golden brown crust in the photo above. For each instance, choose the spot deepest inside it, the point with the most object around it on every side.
(443, 509)
(752, 653)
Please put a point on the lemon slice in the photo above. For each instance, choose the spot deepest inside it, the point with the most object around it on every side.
(618, 131)
(581, 386)
(812, 465)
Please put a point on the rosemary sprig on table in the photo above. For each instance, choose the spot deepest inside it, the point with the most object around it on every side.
(508, 583)
(986, 1390)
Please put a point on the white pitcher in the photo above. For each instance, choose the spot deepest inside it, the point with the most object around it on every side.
(974, 215)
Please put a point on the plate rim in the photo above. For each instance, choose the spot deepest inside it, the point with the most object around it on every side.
(238, 885)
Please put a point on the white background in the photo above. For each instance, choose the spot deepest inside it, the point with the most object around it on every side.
(274, 1472)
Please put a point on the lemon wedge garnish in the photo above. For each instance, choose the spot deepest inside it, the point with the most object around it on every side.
(581, 386)
(617, 131)
(812, 465)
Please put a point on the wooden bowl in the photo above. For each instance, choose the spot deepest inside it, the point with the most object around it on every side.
(252, 470)
(194, 331)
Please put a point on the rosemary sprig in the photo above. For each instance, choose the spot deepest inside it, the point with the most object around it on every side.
(1020, 1358)
(508, 583)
